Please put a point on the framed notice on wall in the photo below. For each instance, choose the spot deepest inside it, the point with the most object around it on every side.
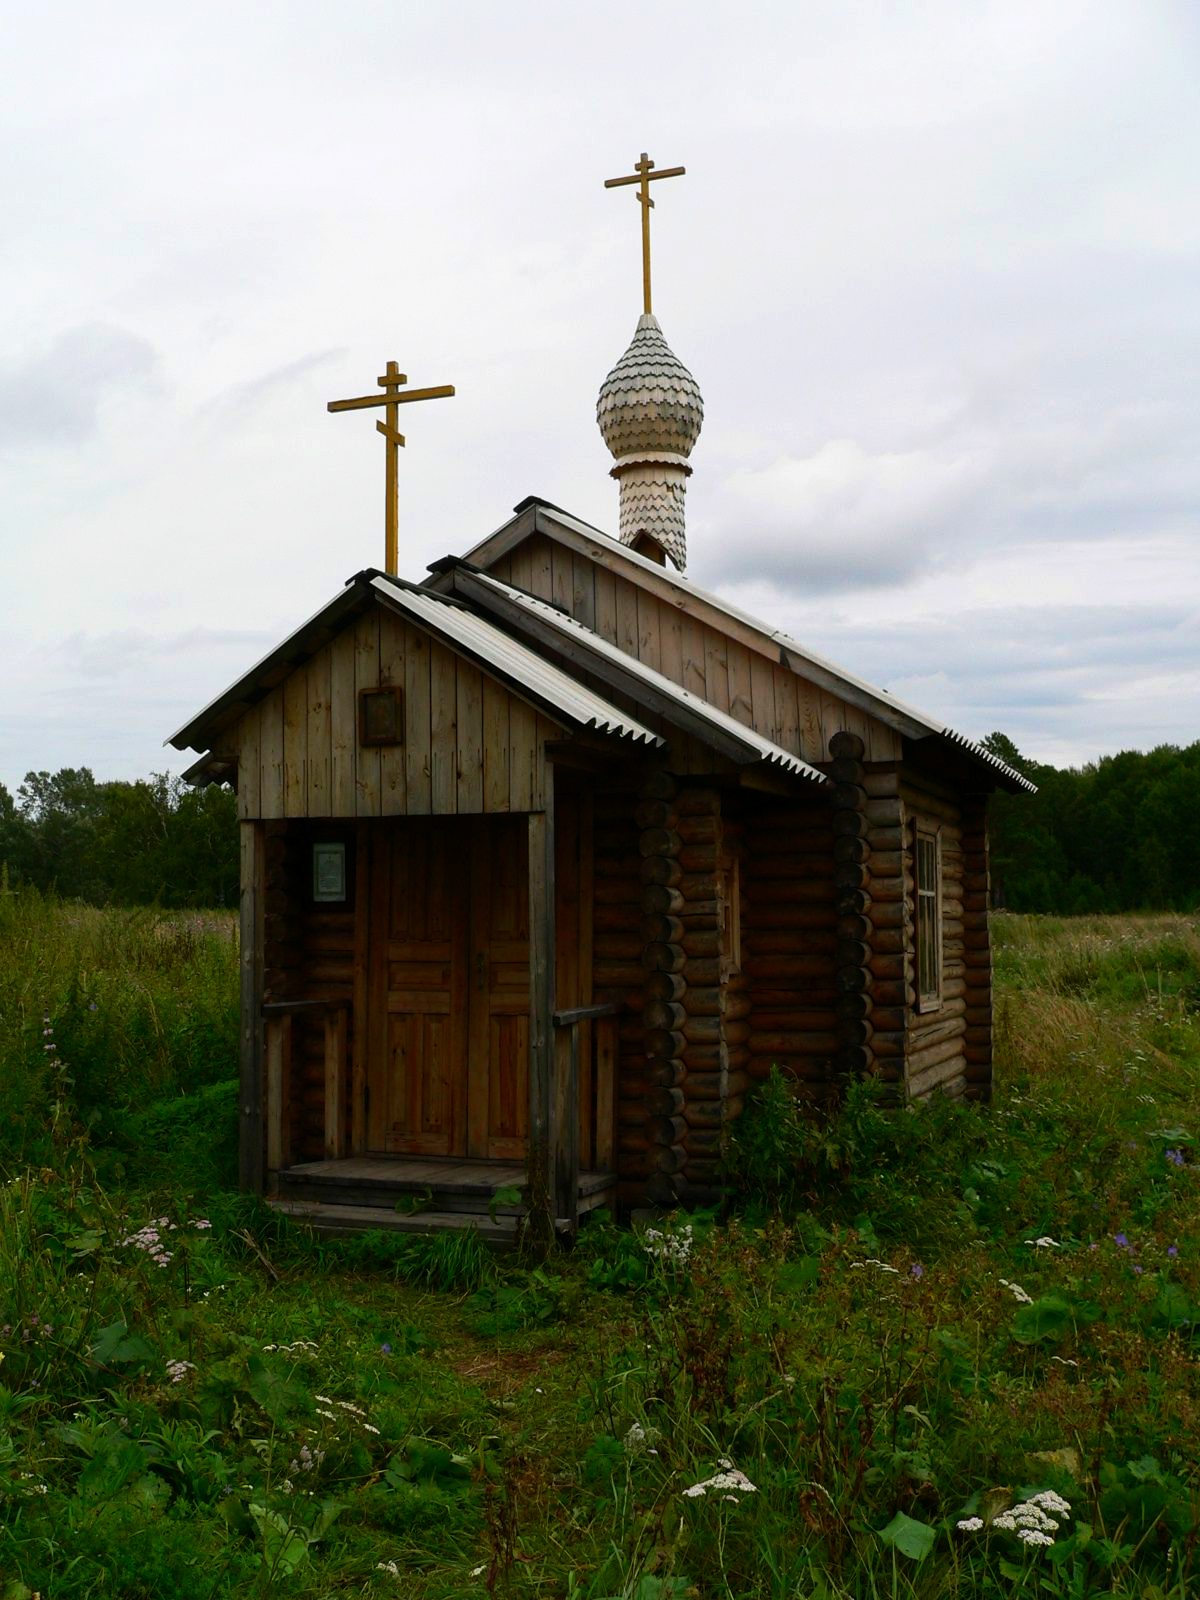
(329, 872)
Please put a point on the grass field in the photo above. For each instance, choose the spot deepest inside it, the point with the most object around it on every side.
(908, 1327)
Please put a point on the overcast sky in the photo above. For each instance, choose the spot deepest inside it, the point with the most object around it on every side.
(933, 265)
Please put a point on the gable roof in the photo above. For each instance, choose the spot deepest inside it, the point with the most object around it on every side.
(587, 650)
(512, 663)
(533, 515)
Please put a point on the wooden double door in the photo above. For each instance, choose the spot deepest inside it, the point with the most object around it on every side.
(448, 974)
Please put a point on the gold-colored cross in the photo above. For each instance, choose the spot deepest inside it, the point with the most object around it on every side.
(644, 175)
(391, 382)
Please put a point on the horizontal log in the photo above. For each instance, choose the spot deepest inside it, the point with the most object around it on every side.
(889, 1019)
(794, 1044)
(713, 1085)
(660, 869)
(700, 942)
(703, 970)
(659, 784)
(852, 925)
(698, 857)
(854, 980)
(698, 830)
(819, 889)
(897, 993)
(616, 974)
(885, 839)
(928, 1054)
(890, 914)
(845, 744)
(798, 1018)
(665, 1102)
(932, 1030)
(711, 1113)
(850, 825)
(659, 899)
(888, 965)
(852, 952)
(661, 930)
(890, 941)
(669, 1158)
(846, 770)
(699, 802)
(977, 1055)
(705, 1058)
(889, 1045)
(978, 1033)
(663, 1044)
(881, 781)
(847, 848)
(705, 1142)
(659, 842)
(852, 1060)
(663, 1014)
(663, 958)
(655, 814)
(665, 1130)
(848, 797)
(859, 1031)
(665, 985)
(851, 1004)
(792, 968)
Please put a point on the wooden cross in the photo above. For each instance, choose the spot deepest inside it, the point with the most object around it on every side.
(644, 175)
(391, 383)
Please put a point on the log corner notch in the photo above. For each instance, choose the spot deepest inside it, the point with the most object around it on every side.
(663, 959)
(852, 901)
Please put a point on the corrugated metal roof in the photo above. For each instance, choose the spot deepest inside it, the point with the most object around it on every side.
(528, 672)
(827, 674)
(755, 746)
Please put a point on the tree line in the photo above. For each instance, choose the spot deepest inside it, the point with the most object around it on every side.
(1120, 834)
(152, 842)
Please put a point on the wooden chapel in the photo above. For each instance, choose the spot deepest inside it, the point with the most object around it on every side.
(549, 857)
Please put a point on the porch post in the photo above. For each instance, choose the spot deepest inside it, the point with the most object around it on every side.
(251, 1150)
(543, 1135)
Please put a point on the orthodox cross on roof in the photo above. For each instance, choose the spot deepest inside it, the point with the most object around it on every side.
(391, 383)
(644, 175)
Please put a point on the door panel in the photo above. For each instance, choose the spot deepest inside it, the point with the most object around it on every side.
(449, 1067)
(498, 1091)
(419, 991)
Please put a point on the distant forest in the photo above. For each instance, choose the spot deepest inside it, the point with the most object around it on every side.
(1120, 834)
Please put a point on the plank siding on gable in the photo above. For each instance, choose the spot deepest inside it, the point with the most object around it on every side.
(443, 726)
(606, 605)
(343, 728)
(741, 689)
(318, 734)
(393, 777)
(295, 744)
(469, 682)
(649, 630)
(417, 766)
(470, 746)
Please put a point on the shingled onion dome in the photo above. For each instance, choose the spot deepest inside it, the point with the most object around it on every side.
(650, 412)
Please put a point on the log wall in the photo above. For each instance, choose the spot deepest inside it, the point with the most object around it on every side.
(789, 938)
(977, 953)
(308, 953)
(469, 744)
(730, 664)
(936, 1039)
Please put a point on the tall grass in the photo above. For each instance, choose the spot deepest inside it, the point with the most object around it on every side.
(142, 1006)
(902, 1322)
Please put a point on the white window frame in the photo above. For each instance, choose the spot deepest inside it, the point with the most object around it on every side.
(927, 900)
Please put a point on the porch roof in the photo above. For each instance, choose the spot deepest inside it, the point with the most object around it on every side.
(586, 649)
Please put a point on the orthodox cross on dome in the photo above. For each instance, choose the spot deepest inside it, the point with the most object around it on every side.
(644, 175)
(391, 382)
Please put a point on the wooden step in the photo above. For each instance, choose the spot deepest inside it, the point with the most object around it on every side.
(500, 1232)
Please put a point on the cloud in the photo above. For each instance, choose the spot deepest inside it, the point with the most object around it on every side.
(240, 398)
(55, 398)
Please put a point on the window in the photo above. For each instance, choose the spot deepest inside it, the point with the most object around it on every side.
(381, 716)
(929, 918)
(329, 872)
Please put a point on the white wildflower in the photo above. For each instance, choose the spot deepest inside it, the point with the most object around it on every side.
(1017, 1292)
(1044, 1243)
(670, 1249)
(969, 1525)
(728, 1478)
(1032, 1536)
(390, 1567)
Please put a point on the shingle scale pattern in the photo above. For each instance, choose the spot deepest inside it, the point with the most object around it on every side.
(649, 402)
(652, 502)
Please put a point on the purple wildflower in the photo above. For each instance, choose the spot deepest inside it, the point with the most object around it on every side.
(1172, 1251)
(1175, 1157)
(918, 1271)
(385, 1349)
(1122, 1240)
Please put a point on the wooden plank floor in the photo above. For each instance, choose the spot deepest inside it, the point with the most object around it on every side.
(443, 1176)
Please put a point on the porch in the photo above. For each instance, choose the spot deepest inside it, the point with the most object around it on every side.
(350, 1194)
